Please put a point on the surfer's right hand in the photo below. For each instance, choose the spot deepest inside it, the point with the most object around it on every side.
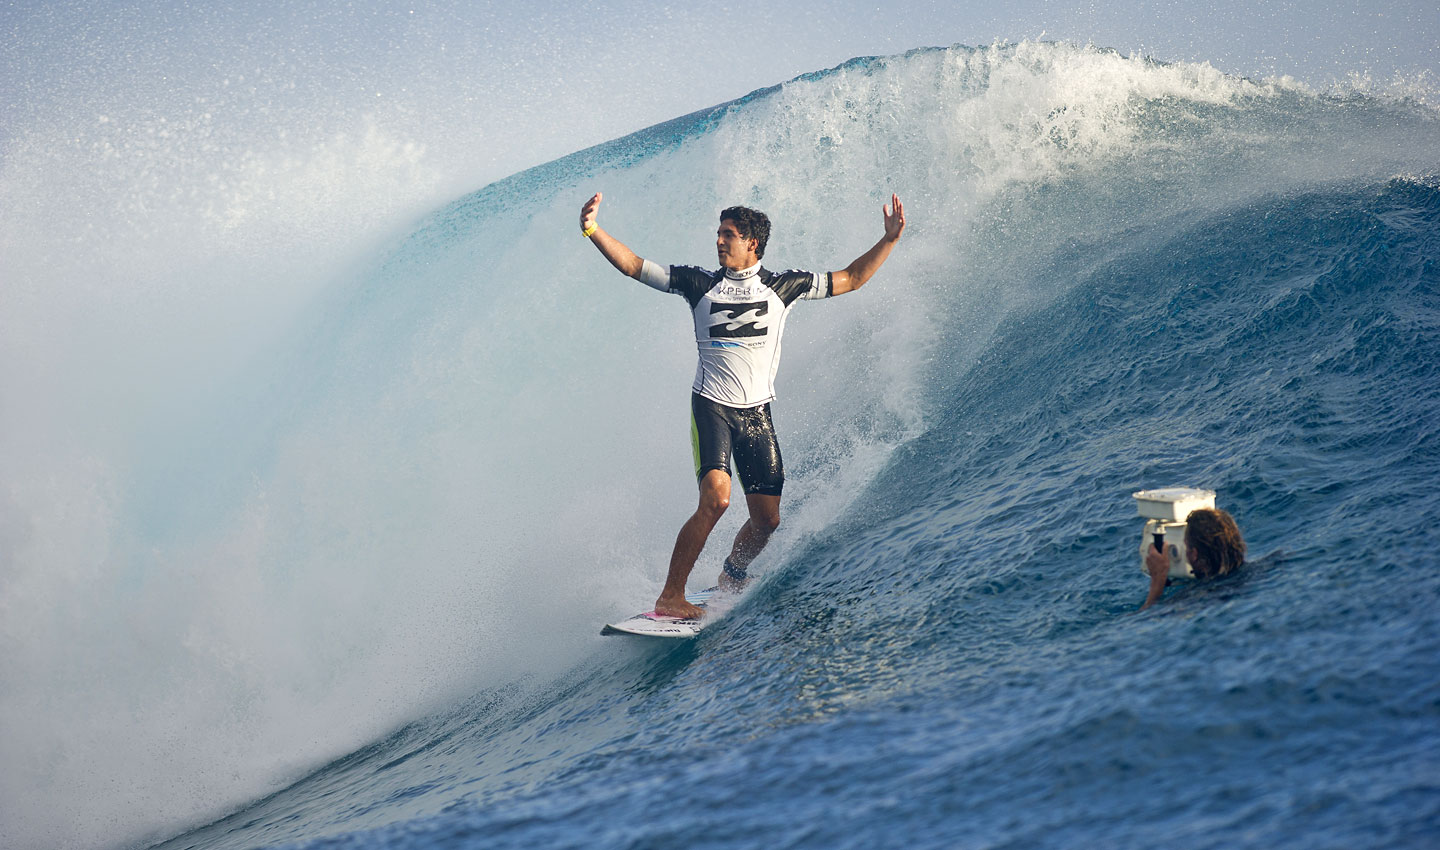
(587, 212)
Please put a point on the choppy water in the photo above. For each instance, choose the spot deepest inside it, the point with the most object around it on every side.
(1118, 275)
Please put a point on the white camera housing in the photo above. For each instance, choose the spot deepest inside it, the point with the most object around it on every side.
(1166, 510)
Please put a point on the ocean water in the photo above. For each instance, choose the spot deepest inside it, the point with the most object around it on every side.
(348, 593)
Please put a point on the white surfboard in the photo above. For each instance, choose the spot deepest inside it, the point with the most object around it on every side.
(651, 624)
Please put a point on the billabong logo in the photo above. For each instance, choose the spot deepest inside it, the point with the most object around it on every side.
(737, 320)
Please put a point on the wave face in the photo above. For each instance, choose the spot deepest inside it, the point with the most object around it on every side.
(364, 582)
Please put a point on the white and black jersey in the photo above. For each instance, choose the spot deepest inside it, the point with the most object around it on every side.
(739, 318)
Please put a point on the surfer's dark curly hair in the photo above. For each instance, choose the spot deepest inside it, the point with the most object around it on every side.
(1216, 539)
(752, 224)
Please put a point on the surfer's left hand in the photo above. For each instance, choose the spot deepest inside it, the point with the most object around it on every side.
(894, 217)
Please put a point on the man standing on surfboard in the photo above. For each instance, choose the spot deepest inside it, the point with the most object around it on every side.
(739, 313)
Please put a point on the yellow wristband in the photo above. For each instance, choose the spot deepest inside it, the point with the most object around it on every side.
(590, 231)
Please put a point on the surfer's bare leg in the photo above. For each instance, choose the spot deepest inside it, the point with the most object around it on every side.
(753, 535)
(714, 499)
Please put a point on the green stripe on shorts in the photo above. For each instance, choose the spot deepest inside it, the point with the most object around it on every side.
(695, 442)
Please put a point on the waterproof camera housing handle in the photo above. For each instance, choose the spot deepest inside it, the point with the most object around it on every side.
(1165, 511)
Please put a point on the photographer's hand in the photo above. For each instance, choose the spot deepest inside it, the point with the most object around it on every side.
(1157, 563)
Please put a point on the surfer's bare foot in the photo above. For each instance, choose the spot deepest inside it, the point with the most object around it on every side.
(730, 585)
(678, 608)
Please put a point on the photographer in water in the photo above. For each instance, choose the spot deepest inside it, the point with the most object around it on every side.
(1213, 546)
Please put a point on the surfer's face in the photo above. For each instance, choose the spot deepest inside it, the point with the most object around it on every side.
(735, 251)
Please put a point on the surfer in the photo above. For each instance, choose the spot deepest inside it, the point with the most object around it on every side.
(1213, 546)
(739, 312)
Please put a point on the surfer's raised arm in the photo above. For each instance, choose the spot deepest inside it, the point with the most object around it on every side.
(854, 275)
(621, 257)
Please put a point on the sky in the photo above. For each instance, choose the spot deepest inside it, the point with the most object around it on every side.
(493, 88)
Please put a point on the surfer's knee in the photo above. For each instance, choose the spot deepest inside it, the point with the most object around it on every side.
(764, 512)
(764, 524)
(714, 494)
(713, 505)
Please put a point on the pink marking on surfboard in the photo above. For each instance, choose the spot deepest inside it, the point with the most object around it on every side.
(670, 618)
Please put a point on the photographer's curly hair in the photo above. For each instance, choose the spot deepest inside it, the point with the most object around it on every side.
(752, 224)
(1216, 539)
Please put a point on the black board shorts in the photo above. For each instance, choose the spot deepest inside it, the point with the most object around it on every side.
(718, 432)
